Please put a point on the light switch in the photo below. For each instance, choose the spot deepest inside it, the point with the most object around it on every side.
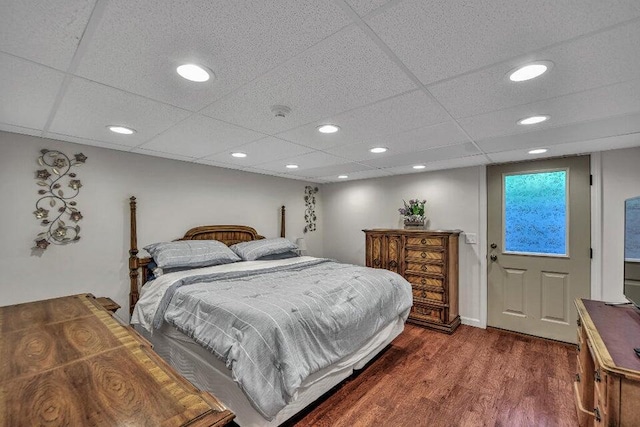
(470, 238)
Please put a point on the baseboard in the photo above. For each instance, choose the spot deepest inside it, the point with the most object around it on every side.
(472, 322)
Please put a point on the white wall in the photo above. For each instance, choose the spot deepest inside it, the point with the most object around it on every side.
(173, 196)
(454, 201)
(620, 181)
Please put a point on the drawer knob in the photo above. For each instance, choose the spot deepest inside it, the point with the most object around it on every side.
(577, 378)
(596, 376)
(424, 294)
(423, 267)
(579, 322)
(423, 241)
(423, 281)
(376, 262)
(578, 347)
(423, 254)
(393, 264)
(596, 412)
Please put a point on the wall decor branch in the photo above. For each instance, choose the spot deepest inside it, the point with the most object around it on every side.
(310, 208)
(56, 200)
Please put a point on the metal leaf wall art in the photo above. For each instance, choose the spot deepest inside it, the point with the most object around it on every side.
(310, 208)
(58, 187)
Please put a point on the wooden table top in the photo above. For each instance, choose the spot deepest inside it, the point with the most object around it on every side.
(67, 361)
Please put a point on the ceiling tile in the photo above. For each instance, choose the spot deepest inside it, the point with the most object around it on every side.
(363, 7)
(139, 44)
(414, 140)
(345, 71)
(438, 41)
(619, 125)
(371, 173)
(47, 32)
(19, 129)
(261, 151)
(400, 113)
(307, 161)
(154, 153)
(88, 108)
(200, 136)
(613, 100)
(586, 63)
(425, 156)
(28, 92)
(333, 170)
(461, 162)
(86, 141)
(582, 147)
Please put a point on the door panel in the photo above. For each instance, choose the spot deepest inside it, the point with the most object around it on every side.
(394, 253)
(539, 239)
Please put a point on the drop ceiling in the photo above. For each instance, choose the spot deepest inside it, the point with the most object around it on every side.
(426, 79)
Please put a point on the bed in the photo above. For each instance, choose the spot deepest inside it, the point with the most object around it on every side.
(267, 338)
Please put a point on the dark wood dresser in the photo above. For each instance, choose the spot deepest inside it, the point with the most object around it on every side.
(429, 261)
(68, 362)
(607, 384)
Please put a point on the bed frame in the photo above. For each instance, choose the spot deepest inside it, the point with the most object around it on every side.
(227, 234)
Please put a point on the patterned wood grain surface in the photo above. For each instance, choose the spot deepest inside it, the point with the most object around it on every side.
(66, 361)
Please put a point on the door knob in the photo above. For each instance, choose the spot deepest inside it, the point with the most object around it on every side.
(493, 258)
(493, 246)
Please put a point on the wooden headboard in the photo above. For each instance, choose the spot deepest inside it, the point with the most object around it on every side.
(227, 234)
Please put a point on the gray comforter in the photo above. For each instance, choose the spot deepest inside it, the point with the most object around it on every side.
(274, 328)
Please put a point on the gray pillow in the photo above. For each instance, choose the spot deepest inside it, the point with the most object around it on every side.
(250, 251)
(283, 255)
(190, 253)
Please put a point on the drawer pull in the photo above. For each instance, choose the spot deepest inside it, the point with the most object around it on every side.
(393, 264)
(423, 254)
(579, 322)
(577, 378)
(424, 293)
(376, 262)
(578, 347)
(423, 241)
(596, 376)
(423, 281)
(423, 267)
(579, 401)
(596, 413)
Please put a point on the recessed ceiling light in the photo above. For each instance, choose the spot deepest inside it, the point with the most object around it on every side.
(533, 120)
(121, 130)
(239, 154)
(343, 176)
(378, 150)
(328, 128)
(538, 151)
(193, 72)
(529, 71)
(292, 166)
(419, 167)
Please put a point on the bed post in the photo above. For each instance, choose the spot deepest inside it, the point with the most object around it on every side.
(133, 257)
(282, 221)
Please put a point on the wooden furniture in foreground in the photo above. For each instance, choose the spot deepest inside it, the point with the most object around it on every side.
(607, 384)
(429, 261)
(108, 304)
(68, 362)
(227, 234)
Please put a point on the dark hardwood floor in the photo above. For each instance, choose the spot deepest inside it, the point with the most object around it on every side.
(474, 377)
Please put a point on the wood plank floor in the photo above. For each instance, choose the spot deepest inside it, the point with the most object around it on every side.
(474, 377)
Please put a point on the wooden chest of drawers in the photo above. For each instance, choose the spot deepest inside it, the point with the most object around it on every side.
(68, 362)
(607, 384)
(429, 261)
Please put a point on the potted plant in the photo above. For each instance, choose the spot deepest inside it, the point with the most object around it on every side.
(413, 213)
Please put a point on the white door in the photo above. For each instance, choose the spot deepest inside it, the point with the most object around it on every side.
(539, 236)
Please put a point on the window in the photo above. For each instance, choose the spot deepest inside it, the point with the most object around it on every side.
(535, 213)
